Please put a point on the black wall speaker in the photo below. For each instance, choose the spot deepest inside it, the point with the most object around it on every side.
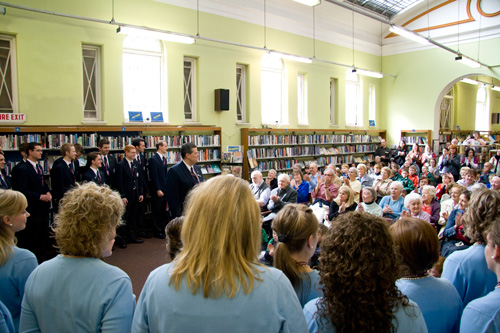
(221, 99)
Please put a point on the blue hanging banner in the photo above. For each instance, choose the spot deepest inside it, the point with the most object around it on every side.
(157, 116)
(135, 116)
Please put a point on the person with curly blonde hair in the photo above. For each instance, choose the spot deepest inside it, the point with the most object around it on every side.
(358, 270)
(77, 291)
(216, 283)
(467, 269)
(16, 264)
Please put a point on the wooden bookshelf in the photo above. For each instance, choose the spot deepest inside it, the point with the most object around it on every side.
(421, 137)
(280, 149)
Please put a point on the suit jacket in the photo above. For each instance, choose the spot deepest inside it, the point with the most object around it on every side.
(158, 174)
(128, 184)
(62, 179)
(286, 196)
(28, 183)
(13, 173)
(76, 167)
(179, 183)
(91, 176)
(8, 182)
(143, 173)
(109, 174)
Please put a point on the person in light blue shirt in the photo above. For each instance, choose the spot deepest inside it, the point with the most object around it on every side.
(6, 324)
(297, 230)
(483, 314)
(467, 269)
(216, 284)
(358, 269)
(77, 291)
(15, 264)
(392, 205)
(417, 243)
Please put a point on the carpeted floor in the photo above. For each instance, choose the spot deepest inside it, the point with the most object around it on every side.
(138, 260)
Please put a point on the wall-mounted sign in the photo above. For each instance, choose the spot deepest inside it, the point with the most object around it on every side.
(12, 117)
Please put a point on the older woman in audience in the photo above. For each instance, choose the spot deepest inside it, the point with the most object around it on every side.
(382, 186)
(430, 204)
(323, 194)
(448, 205)
(353, 182)
(301, 186)
(363, 177)
(467, 269)
(401, 152)
(413, 204)
(483, 314)
(360, 294)
(88, 294)
(392, 205)
(216, 281)
(297, 230)
(453, 232)
(15, 264)
(470, 160)
(369, 204)
(343, 203)
(417, 243)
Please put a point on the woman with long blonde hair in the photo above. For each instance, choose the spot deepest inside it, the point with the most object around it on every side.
(216, 283)
(15, 264)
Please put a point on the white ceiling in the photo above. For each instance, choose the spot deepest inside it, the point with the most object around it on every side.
(334, 23)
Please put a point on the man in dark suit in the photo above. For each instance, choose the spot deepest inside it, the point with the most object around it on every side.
(282, 195)
(30, 182)
(63, 174)
(181, 178)
(108, 162)
(158, 174)
(5, 182)
(129, 185)
(140, 146)
(93, 174)
(22, 151)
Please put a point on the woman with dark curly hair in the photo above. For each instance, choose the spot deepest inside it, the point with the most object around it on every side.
(358, 269)
(417, 243)
(467, 269)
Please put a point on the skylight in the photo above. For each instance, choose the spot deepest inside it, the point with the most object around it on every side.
(387, 8)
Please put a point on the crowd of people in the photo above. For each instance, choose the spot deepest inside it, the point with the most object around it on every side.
(407, 244)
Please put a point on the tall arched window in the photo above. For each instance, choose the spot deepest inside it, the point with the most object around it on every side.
(273, 91)
(143, 83)
(482, 109)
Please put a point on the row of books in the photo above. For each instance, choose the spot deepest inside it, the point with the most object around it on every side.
(235, 170)
(179, 140)
(280, 152)
(232, 157)
(13, 141)
(259, 140)
(415, 139)
(210, 168)
(345, 149)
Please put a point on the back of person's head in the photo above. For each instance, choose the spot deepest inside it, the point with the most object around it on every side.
(484, 206)
(221, 237)
(12, 203)
(295, 225)
(494, 232)
(173, 233)
(417, 243)
(358, 269)
(87, 220)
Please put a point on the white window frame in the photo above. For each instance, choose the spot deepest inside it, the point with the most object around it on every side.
(372, 103)
(241, 94)
(333, 102)
(12, 94)
(92, 92)
(353, 103)
(482, 109)
(272, 66)
(147, 48)
(190, 92)
(302, 99)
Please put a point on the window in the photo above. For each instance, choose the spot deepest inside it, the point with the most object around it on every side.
(302, 99)
(353, 100)
(372, 105)
(143, 77)
(8, 75)
(241, 108)
(333, 102)
(91, 82)
(482, 109)
(190, 89)
(273, 99)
